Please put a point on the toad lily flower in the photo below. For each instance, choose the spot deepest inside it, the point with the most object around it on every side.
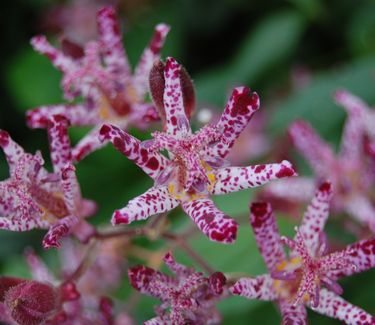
(298, 280)
(34, 198)
(350, 171)
(190, 295)
(196, 165)
(103, 77)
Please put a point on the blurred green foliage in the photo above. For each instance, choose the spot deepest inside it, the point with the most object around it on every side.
(223, 44)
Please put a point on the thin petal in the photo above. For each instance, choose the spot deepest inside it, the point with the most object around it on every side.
(211, 221)
(59, 142)
(79, 115)
(111, 41)
(293, 315)
(151, 163)
(352, 138)
(361, 256)
(176, 120)
(361, 209)
(260, 288)
(155, 200)
(58, 231)
(233, 179)
(71, 189)
(39, 269)
(315, 218)
(334, 306)
(241, 106)
(318, 153)
(157, 321)
(57, 57)
(267, 234)
(87, 145)
(179, 269)
(149, 56)
(12, 150)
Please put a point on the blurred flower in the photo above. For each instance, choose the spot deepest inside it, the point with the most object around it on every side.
(96, 271)
(351, 171)
(197, 165)
(190, 296)
(298, 280)
(102, 76)
(34, 198)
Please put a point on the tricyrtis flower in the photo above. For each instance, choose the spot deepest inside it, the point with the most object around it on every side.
(34, 198)
(196, 167)
(350, 171)
(102, 76)
(307, 277)
(190, 296)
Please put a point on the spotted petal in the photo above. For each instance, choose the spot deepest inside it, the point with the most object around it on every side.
(360, 207)
(154, 201)
(334, 306)
(233, 179)
(211, 221)
(261, 287)
(267, 234)
(12, 150)
(292, 315)
(150, 162)
(39, 269)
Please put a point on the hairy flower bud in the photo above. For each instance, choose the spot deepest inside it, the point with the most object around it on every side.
(32, 302)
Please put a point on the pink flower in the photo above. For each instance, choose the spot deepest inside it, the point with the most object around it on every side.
(190, 296)
(196, 167)
(299, 280)
(34, 198)
(350, 171)
(103, 77)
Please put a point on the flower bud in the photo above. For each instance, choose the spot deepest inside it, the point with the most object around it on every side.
(32, 302)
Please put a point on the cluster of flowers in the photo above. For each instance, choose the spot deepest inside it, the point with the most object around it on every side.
(106, 95)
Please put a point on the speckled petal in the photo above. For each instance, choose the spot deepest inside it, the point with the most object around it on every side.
(334, 306)
(12, 150)
(315, 218)
(58, 231)
(267, 234)
(150, 162)
(155, 200)
(176, 120)
(233, 179)
(157, 321)
(111, 41)
(79, 115)
(360, 254)
(57, 57)
(59, 142)
(211, 221)
(179, 269)
(318, 153)
(241, 106)
(260, 288)
(88, 144)
(292, 315)
(149, 56)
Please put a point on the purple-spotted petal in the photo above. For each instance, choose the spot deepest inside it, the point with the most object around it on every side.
(261, 287)
(151, 163)
(39, 269)
(360, 208)
(58, 231)
(315, 218)
(292, 315)
(154, 201)
(88, 144)
(12, 150)
(241, 106)
(211, 221)
(266, 234)
(233, 179)
(318, 153)
(334, 306)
